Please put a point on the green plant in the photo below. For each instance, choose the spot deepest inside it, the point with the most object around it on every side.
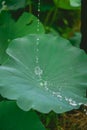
(38, 72)
(10, 29)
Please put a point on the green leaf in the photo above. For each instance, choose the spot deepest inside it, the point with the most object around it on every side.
(9, 29)
(12, 118)
(66, 4)
(58, 81)
(75, 3)
(12, 4)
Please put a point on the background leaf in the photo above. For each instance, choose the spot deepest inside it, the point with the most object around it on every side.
(9, 29)
(13, 4)
(66, 4)
(12, 118)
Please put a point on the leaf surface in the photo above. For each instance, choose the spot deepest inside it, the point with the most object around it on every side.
(58, 81)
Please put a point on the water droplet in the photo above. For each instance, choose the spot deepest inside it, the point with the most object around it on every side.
(54, 93)
(72, 102)
(38, 39)
(41, 84)
(38, 9)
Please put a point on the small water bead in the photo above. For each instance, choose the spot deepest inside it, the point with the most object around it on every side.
(38, 39)
(45, 85)
(38, 21)
(41, 84)
(54, 93)
(66, 98)
(39, 10)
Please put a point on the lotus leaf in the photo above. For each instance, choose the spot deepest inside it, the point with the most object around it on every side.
(50, 75)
